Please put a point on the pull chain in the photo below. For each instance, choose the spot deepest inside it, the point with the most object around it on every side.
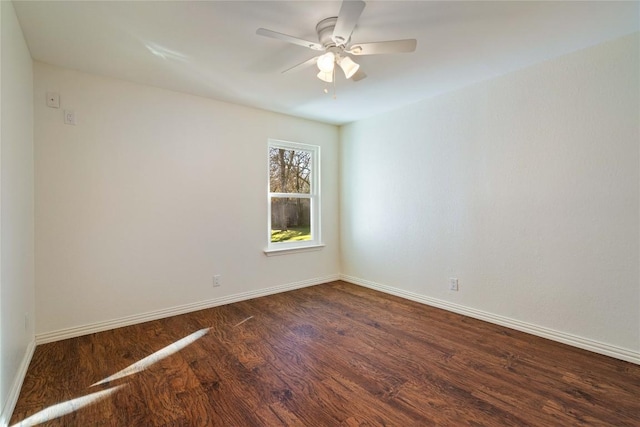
(326, 90)
(334, 82)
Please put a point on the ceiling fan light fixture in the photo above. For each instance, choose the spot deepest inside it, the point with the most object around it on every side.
(348, 66)
(326, 76)
(326, 62)
(334, 41)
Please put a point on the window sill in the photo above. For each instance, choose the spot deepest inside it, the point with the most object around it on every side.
(285, 251)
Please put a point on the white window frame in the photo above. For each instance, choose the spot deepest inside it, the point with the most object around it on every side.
(278, 248)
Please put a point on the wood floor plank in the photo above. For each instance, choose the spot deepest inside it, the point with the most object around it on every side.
(328, 355)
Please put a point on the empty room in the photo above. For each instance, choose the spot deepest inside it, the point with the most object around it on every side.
(319, 213)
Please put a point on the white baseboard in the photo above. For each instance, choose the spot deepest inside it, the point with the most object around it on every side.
(174, 311)
(14, 391)
(554, 335)
(563, 337)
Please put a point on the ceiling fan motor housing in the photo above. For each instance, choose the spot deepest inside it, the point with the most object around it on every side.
(325, 33)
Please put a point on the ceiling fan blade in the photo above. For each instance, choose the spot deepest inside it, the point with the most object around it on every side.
(302, 65)
(347, 19)
(359, 75)
(377, 48)
(289, 39)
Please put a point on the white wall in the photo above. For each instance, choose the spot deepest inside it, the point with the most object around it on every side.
(152, 193)
(16, 209)
(525, 187)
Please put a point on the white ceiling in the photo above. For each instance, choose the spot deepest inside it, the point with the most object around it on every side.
(210, 48)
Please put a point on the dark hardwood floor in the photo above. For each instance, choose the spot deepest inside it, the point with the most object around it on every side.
(329, 355)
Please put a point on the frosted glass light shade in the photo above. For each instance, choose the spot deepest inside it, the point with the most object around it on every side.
(348, 66)
(326, 62)
(326, 76)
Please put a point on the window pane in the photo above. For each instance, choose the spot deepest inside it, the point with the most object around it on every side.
(289, 171)
(290, 219)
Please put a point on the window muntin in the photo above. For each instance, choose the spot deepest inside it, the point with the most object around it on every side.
(294, 196)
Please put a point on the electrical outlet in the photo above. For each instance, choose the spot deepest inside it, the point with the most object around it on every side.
(26, 321)
(216, 280)
(70, 117)
(453, 284)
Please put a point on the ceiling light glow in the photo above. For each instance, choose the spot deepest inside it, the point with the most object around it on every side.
(326, 62)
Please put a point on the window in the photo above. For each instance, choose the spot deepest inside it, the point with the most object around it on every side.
(294, 196)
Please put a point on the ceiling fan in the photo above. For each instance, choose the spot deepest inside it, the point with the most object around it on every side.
(334, 39)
